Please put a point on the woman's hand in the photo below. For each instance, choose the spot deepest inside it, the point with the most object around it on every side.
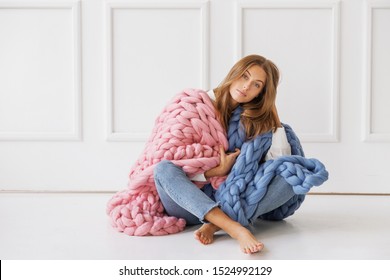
(225, 165)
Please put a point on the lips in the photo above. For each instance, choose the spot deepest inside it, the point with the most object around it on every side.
(241, 93)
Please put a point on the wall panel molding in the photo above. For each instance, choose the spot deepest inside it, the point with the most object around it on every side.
(76, 132)
(203, 71)
(334, 8)
(368, 134)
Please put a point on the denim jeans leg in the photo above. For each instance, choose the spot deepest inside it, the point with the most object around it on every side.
(181, 198)
(278, 193)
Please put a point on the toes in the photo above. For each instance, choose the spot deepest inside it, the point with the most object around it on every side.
(246, 250)
(202, 238)
(206, 240)
(257, 248)
(250, 249)
(196, 234)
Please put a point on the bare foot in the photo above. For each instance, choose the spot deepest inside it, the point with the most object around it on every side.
(248, 243)
(205, 234)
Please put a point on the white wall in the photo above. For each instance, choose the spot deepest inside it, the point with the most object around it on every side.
(82, 81)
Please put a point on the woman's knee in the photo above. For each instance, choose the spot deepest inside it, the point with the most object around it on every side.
(279, 183)
(162, 166)
(166, 169)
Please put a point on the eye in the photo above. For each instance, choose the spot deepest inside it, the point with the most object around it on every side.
(257, 85)
(245, 76)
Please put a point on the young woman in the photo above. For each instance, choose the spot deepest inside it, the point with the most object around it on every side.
(251, 83)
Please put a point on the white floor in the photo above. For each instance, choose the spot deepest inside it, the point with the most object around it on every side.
(75, 226)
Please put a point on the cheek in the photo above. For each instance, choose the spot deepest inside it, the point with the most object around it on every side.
(260, 91)
(255, 92)
(234, 84)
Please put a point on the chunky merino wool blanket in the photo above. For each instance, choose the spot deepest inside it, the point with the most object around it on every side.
(188, 133)
(247, 183)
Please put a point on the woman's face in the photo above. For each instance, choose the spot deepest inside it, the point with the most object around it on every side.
(248, 86)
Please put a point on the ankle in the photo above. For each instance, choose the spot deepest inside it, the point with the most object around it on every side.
(235, 230)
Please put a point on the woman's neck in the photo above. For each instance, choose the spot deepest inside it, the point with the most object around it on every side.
(233, 103)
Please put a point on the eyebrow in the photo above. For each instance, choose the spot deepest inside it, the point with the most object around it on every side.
(247, 71)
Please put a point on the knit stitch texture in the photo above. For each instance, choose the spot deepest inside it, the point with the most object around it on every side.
(188, 133)
(247, 183)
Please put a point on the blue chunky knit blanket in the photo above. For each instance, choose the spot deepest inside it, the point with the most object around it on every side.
(247, 183)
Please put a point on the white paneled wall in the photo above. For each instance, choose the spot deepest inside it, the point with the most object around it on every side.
(173, 40)
(304, 37)
(81, 82)
(40, 72)
(377, 72)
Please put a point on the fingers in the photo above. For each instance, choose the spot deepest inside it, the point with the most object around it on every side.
(221, 150)
(227, 160)
(235, 154)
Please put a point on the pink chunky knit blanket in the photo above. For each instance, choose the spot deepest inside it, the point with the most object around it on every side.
(186, 132)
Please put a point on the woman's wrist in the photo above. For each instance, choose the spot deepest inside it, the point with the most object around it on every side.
(213, 172)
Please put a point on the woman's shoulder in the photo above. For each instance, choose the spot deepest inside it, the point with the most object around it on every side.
(211, 94)
(206, 96)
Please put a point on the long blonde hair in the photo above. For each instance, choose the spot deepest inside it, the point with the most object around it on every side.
(260, 114)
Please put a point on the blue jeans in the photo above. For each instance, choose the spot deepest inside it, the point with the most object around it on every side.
(183, 199)
(278, 193)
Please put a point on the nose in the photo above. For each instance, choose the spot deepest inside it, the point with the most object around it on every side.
(246, 85)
